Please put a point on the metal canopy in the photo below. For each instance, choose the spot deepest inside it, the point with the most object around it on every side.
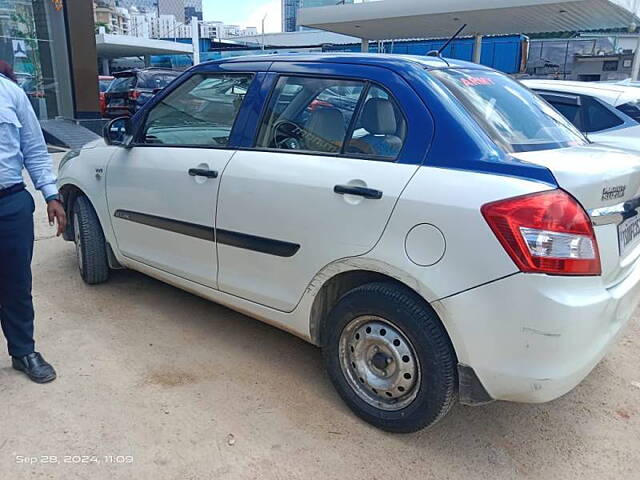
(115, 46)
(396, 19)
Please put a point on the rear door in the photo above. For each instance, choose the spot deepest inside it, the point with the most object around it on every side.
(331, 158)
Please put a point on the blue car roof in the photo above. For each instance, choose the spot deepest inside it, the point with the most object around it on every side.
(399, 62)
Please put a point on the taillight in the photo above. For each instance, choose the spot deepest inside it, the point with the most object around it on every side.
(547, 232)
(134, 94)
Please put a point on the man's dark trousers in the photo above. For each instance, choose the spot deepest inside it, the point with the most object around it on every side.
(16, 251)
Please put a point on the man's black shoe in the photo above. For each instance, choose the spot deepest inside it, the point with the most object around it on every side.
(36, 367)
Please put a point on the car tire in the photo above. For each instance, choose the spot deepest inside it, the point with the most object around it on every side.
(390, 358)
(91, 247)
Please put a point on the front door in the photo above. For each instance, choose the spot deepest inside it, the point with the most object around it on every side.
(319, 186)
(162, 192)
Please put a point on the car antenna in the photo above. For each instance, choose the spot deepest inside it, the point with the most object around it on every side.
(438, 53)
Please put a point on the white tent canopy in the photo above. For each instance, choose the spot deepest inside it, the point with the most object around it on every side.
(396, 19)
(114, 46)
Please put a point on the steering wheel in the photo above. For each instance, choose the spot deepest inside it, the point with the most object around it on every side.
(287, 135)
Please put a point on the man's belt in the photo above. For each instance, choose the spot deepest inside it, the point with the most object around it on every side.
(5, 192)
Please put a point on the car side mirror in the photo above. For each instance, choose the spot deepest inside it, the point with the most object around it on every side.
(117, 131)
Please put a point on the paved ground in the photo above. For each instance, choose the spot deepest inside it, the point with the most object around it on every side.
(190, 390)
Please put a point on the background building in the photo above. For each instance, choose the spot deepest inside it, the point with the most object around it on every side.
(140, 5)
(290, 11)
(181, 9)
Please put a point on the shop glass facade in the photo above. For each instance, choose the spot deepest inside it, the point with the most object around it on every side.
(33, 41)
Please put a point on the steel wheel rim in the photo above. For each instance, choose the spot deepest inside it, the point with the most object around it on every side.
(78, 240)
(379, 363)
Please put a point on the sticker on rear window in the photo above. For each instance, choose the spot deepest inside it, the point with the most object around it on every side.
(476, 81)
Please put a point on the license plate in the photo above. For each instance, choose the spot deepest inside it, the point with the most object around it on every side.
(629, 234)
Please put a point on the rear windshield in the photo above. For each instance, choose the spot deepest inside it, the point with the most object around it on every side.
(122, 84)
(104, 85)
(514, 117)
(156, 80)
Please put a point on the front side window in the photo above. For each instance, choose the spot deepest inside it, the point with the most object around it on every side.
(513, 116)
(310, 114)
(200, 112)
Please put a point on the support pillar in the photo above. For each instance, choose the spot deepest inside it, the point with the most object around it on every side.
(195, 39)
(105, 66)
(477, 48)
(635, 69)
(364, 45)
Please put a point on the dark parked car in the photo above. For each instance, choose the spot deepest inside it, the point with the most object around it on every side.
(131, 89)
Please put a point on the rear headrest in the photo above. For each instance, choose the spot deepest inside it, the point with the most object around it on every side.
(327, 123)
(379, 117)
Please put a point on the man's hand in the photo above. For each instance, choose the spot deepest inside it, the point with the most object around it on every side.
(55, 211)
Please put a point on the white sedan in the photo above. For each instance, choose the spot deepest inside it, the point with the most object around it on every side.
(440, 232)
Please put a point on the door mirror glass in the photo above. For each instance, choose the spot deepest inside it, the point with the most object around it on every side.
(117, 131)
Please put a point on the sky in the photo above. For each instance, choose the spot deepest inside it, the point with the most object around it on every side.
(248, 13)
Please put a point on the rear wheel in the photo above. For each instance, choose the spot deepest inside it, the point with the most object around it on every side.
(91, 247)
(390, 358)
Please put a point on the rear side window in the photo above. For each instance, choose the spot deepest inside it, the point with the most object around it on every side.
(380, 128)
(122, 84)
(327, 115)
(195, 114)
(631, 109)
(598, 117)
(513, 116)
(310, 114)
(570, 112)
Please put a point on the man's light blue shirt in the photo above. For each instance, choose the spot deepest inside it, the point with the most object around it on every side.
(22, 144)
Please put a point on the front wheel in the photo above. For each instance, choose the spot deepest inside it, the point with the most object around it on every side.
(390, 358)
(91, 247)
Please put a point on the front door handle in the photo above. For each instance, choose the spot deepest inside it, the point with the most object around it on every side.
(203, 172)
(365, 192)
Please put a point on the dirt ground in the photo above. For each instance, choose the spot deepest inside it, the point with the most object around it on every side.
(155, 383)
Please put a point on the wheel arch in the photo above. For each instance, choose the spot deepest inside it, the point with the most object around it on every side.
(339, 283)
(69, 192)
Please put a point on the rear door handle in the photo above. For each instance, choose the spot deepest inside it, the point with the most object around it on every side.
(365, 192)
(203, 172)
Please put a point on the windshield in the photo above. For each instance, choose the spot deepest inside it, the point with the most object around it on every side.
(513, 116)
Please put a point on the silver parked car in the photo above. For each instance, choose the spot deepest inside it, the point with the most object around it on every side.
(607, 113)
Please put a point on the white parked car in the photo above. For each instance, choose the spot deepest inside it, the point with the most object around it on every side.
(440, 231)
(606, 113)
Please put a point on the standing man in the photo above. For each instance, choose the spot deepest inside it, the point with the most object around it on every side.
(22, 146)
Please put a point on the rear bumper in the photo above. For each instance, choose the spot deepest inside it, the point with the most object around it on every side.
(533, 338)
